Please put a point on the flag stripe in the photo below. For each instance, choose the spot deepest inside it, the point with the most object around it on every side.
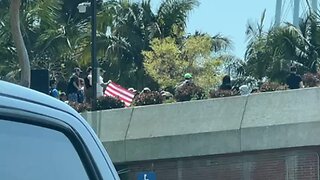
(116, 91)
(111, 88)
(127, 104)
(121, 89)
(115, 94)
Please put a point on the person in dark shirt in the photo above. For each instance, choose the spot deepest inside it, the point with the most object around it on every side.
(73, 85)
(294, 81)
(88, 86)
(226, 83)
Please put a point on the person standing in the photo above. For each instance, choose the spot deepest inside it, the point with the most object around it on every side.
(244, 90)
(294, 81)
(81, 96)
(100, 83)
(73, 85)
(226, 83)
(88, 85)
(53, 89)
(187, 81)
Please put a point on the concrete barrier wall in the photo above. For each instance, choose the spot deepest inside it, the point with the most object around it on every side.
(281, 119)
(111, 127)
(215, 126)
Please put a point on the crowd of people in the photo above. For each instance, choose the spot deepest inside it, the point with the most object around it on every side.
(293, 81)
(80, 90)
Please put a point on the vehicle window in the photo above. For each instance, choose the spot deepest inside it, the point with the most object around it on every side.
(32, 152)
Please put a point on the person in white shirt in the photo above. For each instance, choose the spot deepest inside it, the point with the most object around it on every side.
(100, 83)
(244, 90)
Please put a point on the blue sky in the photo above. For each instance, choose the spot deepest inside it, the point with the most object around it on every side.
(229, 17)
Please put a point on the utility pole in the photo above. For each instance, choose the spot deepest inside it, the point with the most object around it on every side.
(278, 12)
(296, 8)
(314, 5)
(94, 52)
(82, 7)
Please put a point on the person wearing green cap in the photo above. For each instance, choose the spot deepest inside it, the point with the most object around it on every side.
(187, 76)
(187, 80)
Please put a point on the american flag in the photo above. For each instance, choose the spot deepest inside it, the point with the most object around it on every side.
(115, 90)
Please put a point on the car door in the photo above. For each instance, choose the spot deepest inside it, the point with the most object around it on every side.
(35, 145)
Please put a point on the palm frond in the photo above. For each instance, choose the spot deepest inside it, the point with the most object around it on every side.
(174, 12)
(221, 43)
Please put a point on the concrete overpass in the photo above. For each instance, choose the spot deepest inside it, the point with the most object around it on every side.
(254, 123)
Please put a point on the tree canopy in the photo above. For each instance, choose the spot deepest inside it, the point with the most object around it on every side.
(138, 45)
(168, 60)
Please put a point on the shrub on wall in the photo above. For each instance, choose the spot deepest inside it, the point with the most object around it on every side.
(148, 98)
(221, 93)
(310, 80)
(80, 107)
(189, 92)
(272, 86)
(107, 102)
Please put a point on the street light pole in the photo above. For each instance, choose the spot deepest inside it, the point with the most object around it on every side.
(94, 52)
(278, 13)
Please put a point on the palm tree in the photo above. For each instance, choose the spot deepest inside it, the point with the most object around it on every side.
(172, 15)
(270, 53)
(55, 35)
(50, 33)
(258, 56)
(126, 28)
(264, 57)
(301, 44)
(7, 49)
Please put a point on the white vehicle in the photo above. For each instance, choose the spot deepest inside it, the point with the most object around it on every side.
(43, 138)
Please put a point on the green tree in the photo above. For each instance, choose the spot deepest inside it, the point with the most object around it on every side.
(57, 37)
(271, 53)
(7, 49)
(50, 30)
(164, 63)
(300, 45)
(126, 28)
(258, 55)
(167, 61)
